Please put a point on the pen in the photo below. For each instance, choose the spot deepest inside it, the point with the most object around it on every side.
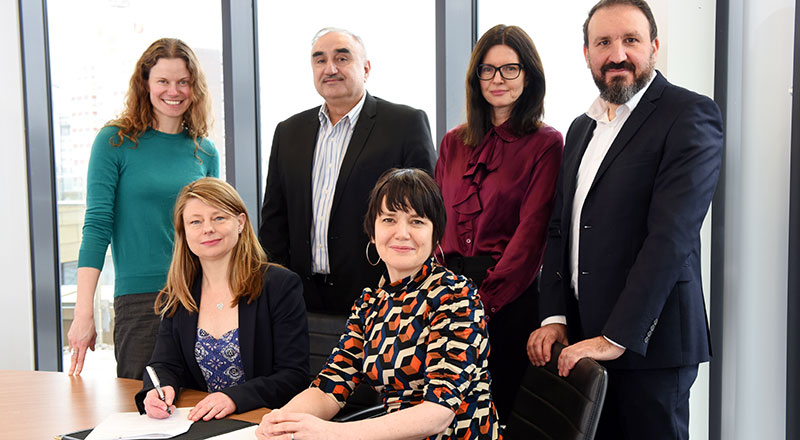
(154, 378)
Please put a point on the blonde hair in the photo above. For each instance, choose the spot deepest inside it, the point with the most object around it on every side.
(248, 260)
(138, 112)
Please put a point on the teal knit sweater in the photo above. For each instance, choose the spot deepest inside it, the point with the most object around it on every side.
(131, 192)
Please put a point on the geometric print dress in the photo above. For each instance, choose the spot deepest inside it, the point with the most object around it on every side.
(420, 339)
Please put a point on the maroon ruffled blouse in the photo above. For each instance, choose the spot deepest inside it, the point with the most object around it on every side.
(499, 197)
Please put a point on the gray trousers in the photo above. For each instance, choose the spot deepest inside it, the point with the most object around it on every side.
(135, 328)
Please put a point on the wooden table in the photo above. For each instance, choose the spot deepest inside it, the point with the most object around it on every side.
(43, 404)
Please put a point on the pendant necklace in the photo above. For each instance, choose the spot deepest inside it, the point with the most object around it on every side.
(219, 306)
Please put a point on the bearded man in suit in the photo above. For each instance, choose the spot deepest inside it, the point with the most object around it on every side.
(621, 277)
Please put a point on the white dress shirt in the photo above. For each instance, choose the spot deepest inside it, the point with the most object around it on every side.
(332, 142)
(603, 136)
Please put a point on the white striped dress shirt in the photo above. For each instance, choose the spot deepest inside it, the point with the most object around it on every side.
(332, 142)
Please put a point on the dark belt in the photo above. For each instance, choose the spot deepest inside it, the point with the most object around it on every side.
(474, 268)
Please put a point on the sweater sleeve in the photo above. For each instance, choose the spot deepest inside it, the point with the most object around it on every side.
(212, 169)
(101, 187)
(455, 345)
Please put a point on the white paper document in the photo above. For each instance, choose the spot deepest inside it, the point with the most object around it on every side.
(129, 425)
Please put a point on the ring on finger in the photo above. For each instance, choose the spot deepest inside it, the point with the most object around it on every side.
(292, 436)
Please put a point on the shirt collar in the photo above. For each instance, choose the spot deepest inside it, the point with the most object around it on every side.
(352, 115)
(504, 131)
(599, 108)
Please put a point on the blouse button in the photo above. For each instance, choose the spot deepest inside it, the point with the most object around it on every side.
(469, 240)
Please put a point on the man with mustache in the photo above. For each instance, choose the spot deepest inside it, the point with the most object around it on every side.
(323, 164)
(621, 277)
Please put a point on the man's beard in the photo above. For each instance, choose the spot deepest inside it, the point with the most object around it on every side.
(618, 91)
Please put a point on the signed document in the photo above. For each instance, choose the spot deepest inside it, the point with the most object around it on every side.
(132, 425)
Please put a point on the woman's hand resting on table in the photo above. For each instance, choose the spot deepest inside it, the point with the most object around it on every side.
(285, 425)
(214, 406)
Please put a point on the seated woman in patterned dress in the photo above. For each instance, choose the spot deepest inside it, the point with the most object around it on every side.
(419, 338)
(232, 323)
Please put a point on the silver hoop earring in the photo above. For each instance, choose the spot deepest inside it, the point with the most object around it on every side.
(441, 251)
(366, 252)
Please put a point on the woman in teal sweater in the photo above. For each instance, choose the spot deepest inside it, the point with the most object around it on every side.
(139, 163)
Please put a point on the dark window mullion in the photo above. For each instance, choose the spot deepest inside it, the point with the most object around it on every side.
(41, 186)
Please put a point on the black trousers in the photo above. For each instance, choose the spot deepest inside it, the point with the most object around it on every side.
(508, 337)
(647, 404)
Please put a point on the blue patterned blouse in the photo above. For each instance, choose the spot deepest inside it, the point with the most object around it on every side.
(219, 359)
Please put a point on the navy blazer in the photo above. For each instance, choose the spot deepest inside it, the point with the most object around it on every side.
(386, 136)
(639, 281)
(273, 344)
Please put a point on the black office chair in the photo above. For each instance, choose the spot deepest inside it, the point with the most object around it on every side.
(551, 407)
(323, 335)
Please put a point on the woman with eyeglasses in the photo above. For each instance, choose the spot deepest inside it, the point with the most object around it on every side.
(498, 173)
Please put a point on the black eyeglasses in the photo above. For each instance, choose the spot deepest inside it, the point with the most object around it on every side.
(486, 72)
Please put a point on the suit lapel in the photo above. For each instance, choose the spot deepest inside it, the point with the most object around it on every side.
(188, 332)
(304, 159)
(579, 142)
(247, 334)
(632, 125)
(366, 120)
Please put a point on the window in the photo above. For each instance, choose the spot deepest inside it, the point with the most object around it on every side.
(557, 33)
(401, 47)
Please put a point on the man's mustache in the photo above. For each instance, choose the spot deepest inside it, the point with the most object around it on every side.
(623, 65)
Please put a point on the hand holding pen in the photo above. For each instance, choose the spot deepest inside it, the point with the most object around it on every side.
(158, 401)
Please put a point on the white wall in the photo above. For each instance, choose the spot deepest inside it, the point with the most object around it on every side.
(756, 223)
(16, 317)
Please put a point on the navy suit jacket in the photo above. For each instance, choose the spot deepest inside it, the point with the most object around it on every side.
(273, 344)
(639, 282)
(386, 136)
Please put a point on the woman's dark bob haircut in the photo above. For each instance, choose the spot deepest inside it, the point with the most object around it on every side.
(406, 189)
